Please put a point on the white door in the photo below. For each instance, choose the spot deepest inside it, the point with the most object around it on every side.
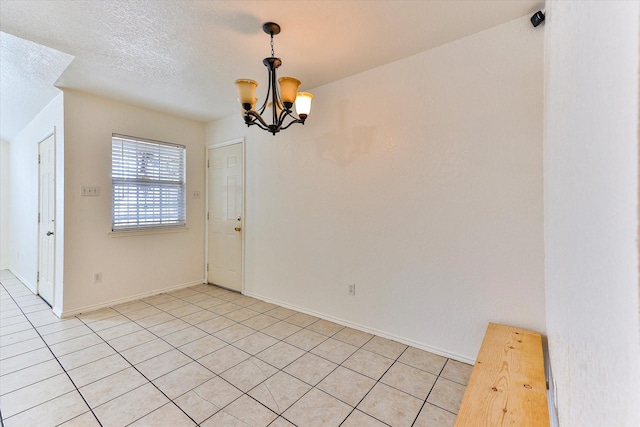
(46, 218)
(225, 199)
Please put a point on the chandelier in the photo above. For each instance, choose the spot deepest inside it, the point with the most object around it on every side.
(279, 99)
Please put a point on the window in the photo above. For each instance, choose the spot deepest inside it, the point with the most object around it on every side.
(148, 184)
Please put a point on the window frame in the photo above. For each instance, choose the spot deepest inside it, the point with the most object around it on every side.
(157, 187)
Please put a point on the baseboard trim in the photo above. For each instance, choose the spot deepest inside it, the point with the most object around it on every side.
(93, 307)
(383, 334)
(24, 281)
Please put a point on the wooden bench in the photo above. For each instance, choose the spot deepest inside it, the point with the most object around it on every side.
(507, 385)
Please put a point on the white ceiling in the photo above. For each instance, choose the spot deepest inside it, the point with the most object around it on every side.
(182, 56)
(27, 76)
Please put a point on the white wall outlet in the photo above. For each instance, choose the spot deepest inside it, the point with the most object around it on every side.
(351, 289)
(195, 194)
(97, 277)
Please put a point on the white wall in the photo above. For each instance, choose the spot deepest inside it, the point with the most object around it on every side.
(133, 265)
(420, 181)
(591, 210)
(5, 228)
(23, 193)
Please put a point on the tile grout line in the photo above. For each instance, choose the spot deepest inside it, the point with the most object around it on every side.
(243, 393)
(376, 383)
(143, 375)
(176, 348)
(309, 351)
(281, 340)
(56, 358)
(429, 394)
(162, 339)
(229, 343)
(233, 342)
(359, 373)
(251, 355)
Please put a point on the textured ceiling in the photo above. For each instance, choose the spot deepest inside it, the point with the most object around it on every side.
(27, 77)
(182, 56)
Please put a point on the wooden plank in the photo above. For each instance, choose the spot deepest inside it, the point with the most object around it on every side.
(507, 385)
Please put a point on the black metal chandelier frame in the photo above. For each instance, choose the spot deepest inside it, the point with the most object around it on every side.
(280, 110)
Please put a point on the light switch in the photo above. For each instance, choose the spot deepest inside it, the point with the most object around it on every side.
(89, 191)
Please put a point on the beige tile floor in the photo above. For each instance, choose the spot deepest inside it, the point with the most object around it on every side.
(210, 357)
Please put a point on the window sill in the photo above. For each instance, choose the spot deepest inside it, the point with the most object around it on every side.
(130, 233)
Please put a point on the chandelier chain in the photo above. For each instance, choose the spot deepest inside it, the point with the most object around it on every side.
(272, 53)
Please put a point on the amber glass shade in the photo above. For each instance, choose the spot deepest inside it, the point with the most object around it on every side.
(303, 103)
(288, 89)
(247, 91)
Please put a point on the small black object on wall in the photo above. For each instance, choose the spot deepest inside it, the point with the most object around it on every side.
(537, 18)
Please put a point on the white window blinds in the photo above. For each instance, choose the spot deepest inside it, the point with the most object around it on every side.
(148, 180)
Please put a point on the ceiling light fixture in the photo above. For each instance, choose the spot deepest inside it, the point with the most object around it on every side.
(280, 100)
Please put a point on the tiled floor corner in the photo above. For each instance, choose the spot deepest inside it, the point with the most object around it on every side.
(205, 356)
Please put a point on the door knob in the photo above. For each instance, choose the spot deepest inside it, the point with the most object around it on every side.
(238, 228)
(49, 233)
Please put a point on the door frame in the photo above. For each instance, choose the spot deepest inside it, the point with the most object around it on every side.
(55, 223)
(239, 140)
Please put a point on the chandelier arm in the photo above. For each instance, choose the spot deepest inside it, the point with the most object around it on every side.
(257, 117)
(292, 122)
(259, 121)
(277, 126)
(283, 115)
(262, 108)
(297, 119)
(266, 99)
(260, 126)
(256, 123)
